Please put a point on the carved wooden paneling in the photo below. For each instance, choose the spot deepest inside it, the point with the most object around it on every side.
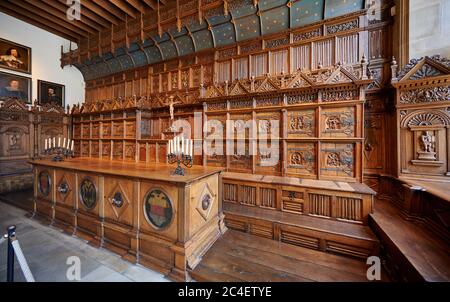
(347, 49)
(301, 159)
(267, 198)
(247, 195)
(338, 122)
(301, 57)
(319, 204)
(301, 123)
(230, 192)
(349, 208)
(337, 160)
(323, 53)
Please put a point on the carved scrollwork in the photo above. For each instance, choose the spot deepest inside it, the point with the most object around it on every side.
(425, 95)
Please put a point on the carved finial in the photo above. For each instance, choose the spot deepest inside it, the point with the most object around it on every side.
(394, 67)
(364, 67)
(363, 59)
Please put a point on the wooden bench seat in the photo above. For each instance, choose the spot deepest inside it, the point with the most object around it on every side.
(311, 232)
(412, 253)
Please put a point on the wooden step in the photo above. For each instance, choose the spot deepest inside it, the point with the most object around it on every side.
(316, 233)
(237, 256)
(412, 252)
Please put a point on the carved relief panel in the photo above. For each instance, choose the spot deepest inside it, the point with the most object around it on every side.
(268, 157)
(337, 160)
(338, 122)
(214, 139)
(301, 159)
(301, 123)
(424, 137)
(241, 143)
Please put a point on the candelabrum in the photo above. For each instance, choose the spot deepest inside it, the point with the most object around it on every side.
(59, 153)
(180, 158)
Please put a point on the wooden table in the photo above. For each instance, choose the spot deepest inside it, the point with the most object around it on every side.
(138, 210)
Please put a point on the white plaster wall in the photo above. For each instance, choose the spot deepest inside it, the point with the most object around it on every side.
(429, 28)
(46, 54)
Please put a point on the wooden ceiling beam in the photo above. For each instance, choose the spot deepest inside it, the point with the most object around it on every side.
(136, 4)
(32, 19)
(90, 15)
(111, 8)
(124, 7)
(48, 16)
(151, 4)
(84, 20)
(61, 16)
(99, 11)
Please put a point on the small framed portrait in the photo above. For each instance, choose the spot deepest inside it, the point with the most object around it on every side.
(51, 93)
(15, 56)
(15, 86)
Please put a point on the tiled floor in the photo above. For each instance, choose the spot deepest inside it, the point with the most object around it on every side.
(47, 249)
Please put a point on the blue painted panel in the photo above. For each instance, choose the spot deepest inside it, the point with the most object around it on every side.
(102, 69)
(153, 54)
(107, 56)
(126, 62)
(203, 39)
(139, 58)
(275, 20)
(164, 37)
(242, 8)
(168, 50)
(185, 45)
(175, 33)
(114, 65)
(268, 4)
(219, 19)
(248, 28)
(195, 26)
(334, 8)
(148, 43)
(224, 34)
(306, 12)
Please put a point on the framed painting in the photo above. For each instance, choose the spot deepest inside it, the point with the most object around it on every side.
(15, 86)
(15, 56)
(51, 93)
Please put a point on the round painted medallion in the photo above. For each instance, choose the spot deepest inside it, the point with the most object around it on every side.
(44, 183)
(117, 200)
(158, 208)
(88, 193)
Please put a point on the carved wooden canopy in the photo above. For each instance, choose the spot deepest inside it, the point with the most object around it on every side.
(424, 80)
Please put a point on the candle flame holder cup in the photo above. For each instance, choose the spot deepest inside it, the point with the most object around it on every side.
(59, 153)
(181, 158)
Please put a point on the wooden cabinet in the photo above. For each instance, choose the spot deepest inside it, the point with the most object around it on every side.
(134, 209)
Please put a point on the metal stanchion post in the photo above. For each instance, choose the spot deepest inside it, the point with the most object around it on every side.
(10, 266)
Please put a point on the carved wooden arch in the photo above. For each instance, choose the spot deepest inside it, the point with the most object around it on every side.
(426, 118)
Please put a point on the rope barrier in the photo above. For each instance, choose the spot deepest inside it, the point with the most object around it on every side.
(22, 261)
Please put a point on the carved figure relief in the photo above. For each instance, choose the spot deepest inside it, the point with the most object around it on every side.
(428, 146)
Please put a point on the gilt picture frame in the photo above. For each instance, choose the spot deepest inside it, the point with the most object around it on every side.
(14, 56)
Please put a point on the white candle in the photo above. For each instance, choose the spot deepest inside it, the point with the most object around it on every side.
(176, 144)
(72, 146)
(64, 142)
(183, 150)
(59, 141)
(192, 148)
(45, 144)
(54, 142)
(68, 144)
